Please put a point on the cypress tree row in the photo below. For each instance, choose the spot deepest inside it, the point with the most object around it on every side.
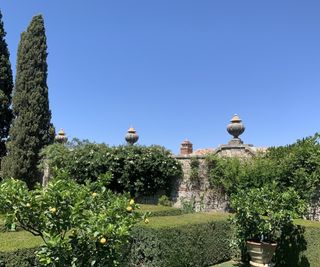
(31, 129)
(6, 86)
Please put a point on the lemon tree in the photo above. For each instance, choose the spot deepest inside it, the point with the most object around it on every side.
(81, 225)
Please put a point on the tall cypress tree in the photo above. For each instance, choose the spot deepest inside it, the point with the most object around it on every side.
(31, 129)
(6, 86)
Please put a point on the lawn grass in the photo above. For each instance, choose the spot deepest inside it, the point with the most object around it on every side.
(192, 218)
(1, 219)
(11, 241)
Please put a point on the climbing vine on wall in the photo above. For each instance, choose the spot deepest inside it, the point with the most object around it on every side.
(296, 165)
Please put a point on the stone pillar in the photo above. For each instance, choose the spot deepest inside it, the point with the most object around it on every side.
(186, 147)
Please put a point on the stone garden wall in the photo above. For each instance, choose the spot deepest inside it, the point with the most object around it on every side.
(197, 193)
(314, 210)
(202, 197)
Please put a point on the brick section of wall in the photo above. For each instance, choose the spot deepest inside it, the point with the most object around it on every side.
(186, 148)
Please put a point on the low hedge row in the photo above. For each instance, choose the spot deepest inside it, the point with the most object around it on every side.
(180, 241)
(300, 245)
(21, 257)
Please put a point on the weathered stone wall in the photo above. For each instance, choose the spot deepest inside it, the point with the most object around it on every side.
(200, 194)
(204, 197)
(239, 151)
(314, 209)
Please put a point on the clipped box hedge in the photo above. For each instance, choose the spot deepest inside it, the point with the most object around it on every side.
(19, 258)
(300, 245)
(200, 239)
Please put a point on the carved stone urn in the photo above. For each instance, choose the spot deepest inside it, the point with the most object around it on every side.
(131, 136)
(235, 128)
(61, 137)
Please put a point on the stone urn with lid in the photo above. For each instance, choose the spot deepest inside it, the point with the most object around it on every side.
(235, 128)
(61, 137)
(131, 136)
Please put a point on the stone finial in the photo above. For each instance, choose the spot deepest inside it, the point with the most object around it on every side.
(186, 147)
(235, 128)
(61, 137)
(131, 136)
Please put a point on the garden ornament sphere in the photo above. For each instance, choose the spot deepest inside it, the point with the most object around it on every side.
(236, 127)
(131, 136)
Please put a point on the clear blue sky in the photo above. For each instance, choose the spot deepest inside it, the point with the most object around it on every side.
(177, 69)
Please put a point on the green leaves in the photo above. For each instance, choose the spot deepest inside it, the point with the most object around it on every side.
(79, 226)
(296, 166)
(6, 87)
(31, 128)
(261, 213)
(139, 170)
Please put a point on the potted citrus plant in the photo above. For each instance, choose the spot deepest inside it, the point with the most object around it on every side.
(260, 216)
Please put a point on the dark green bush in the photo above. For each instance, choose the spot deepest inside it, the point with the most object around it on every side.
(19, 258)
(140, 170)
(165, 201)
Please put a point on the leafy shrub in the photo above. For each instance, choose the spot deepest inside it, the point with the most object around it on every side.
(188, 205)
(194, 172)
(139, 170)
(261, 214)
(80, 225)
(296, 166)
(165, 201)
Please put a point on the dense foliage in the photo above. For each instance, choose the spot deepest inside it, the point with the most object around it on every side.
(201, 243)
(6, 87)
(296, 166)
(31, 129)
(81, 225)
(140, 170)
(262, 213)
(195, 172)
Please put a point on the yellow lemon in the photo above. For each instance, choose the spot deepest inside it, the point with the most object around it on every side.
(94, 194)
(146, 221)
(103, 240)
(53, 210)
(28, 205)
(129, 208)
(131, 202)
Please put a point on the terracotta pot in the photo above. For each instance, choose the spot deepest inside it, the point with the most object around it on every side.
(261, 253)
